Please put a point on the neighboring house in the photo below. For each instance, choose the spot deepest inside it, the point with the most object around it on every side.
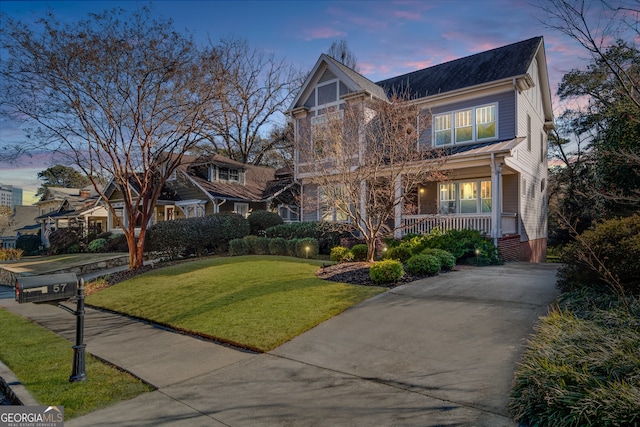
(22, 222)
(70, 207)
(213, 184)
(490, 115)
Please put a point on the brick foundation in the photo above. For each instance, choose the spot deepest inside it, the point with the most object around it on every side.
(512, 249)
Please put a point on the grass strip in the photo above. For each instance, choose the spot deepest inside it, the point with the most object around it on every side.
(43, 362)
(258, 302)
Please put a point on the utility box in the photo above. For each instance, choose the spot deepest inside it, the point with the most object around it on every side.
(46, 288)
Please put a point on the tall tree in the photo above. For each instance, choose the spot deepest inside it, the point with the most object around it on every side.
(61, 176)
(340, 51)
(119, 93)
(609, 117)
(259, 88)
(366, 163)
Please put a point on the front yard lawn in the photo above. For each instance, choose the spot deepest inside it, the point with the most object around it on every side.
(43, 361)
(256, 302)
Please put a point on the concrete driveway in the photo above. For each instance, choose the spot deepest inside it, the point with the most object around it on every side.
(440, 351)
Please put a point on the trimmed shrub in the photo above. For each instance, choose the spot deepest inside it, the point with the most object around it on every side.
(96, 245)
(278, 246)
(468, 246)
(260, 220)
(424, 264)
(341, 254)
(261, 246)
(29, 244)
(62, 238)
(307, 248)
(115, 242)
(238, 247)
(359, 252)
(251, 243)
(447, 260)
(400, 253)
(386, 271)
(616, 243)
(327, 234)
(292, 246)
(195, 236)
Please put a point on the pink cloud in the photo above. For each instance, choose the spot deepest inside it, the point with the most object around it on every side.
(322, 33)
(412, 16)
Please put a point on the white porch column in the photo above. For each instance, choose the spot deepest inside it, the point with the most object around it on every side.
(496, 199)
(397, 215)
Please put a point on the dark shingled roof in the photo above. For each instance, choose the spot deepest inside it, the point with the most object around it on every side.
(496, 64)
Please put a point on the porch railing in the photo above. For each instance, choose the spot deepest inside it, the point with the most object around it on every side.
(423, 224)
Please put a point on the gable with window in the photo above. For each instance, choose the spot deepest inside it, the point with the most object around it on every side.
(466, 125)
(226, 174)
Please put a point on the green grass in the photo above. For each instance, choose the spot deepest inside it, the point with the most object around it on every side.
(583, 365)
(258, 302)
(43, 362)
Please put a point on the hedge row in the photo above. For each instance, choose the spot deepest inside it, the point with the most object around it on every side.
(327, 234)
(255, 245)
(195, 236)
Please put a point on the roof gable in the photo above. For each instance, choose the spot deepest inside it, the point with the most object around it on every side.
(353, 80)
(484, 67)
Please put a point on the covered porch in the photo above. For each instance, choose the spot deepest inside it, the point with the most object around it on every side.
(480, 192)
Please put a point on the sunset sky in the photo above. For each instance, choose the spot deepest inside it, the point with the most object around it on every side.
(388, 38)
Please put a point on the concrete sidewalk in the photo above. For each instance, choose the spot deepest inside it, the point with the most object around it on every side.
(440, 351)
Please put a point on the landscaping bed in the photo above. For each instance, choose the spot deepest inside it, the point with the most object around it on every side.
(357, 273)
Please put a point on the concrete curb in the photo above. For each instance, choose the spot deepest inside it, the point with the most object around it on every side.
(14, 389)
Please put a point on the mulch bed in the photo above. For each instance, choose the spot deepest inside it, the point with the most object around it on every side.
(357, 273)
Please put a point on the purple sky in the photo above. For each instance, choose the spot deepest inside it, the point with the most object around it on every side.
(388, 38)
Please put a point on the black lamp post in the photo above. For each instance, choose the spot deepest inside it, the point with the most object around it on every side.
(79, 373)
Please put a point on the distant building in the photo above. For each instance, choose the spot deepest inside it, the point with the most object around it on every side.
(10, 196)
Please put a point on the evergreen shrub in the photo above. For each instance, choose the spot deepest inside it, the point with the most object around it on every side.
(341, 254)
(424, 264)
(386, 271)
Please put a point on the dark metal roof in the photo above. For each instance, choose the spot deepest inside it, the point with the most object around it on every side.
(493, 65)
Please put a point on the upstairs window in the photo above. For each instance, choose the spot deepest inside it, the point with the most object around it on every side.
(327, 135)
(469, 125)
(223, 174)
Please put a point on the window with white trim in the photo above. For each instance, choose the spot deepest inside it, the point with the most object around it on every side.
(465, 197)
(326, 132)
(332, 205)
(462, 126)
(241, 209)
(289, 213)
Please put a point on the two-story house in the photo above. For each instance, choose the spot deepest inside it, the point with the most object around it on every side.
(489, 116)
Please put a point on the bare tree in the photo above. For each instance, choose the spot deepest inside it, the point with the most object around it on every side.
(341, 53)
(596, 25)
(259, 88)
(366, 161)
(120, 93)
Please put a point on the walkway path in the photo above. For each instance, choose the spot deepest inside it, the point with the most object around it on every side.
(440, 351)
